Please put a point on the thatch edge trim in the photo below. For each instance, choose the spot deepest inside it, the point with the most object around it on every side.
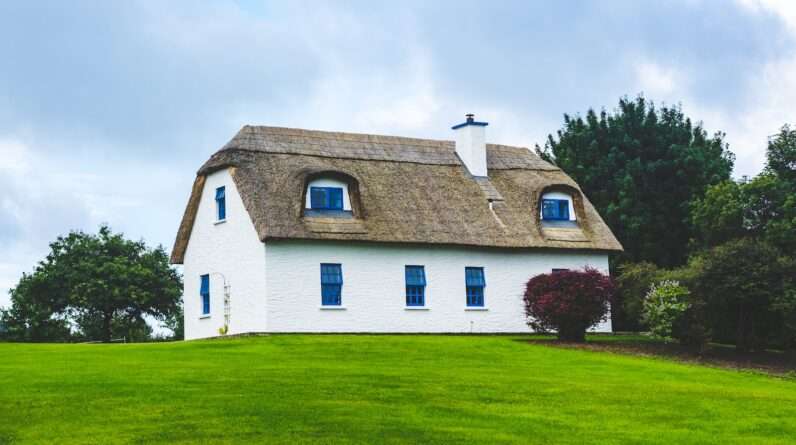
(444, 245)
(188, 217)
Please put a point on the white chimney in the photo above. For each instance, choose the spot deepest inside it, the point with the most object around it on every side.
(471, 145)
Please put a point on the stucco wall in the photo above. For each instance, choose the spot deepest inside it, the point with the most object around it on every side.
(231, 248)
(373, 293)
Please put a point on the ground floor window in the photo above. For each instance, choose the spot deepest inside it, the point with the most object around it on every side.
(475, 283)
(331, 284)
(204, 293)
(415, 286)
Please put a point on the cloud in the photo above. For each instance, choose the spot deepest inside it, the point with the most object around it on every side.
(44, 197)
(657, 80)
(763, 99)
(36, 205)
(784, 9)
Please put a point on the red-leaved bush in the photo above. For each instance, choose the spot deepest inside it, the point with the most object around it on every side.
(568, 302)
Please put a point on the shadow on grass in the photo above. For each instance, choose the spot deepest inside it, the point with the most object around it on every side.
(772, 362)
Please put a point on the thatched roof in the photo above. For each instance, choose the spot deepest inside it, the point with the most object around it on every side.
(403, 190)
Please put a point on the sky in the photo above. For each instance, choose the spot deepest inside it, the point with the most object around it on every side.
(107, 109)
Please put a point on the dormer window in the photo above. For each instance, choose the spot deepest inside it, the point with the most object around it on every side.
(326, 198)
(556, 207)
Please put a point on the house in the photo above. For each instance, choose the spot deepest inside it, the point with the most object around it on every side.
(290, 230)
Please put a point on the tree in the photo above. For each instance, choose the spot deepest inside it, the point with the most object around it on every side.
(718, 217)
(568, 302)
(741, 282)
(781, 155)
(37, 311)
(100, 286)
(641, 167)
(763, 207)
(176, 323)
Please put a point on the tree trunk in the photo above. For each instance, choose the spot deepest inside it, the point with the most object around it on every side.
(574, 335)
(106, 326)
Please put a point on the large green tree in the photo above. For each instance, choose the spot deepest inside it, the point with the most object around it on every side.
(96, 286)
(763, 207)
(781, 155)
(37, 311)
(641, 166)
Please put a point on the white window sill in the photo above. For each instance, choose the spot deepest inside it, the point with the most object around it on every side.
(476, 308)
(332, 308)
(220, 221)
(202, 317)
(416, 308)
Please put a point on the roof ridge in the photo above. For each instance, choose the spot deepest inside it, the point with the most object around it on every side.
(374, 147)
(342, 135)
(381, 138)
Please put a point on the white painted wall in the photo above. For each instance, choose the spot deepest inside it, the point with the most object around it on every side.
(231, 248)
(559, 195)
(328, 182)
(275, 287)
(471, 148)
(373, 293)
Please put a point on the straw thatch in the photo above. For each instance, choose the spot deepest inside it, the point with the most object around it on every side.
(402, 190)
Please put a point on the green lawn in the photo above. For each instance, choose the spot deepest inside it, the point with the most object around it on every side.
(378, 389)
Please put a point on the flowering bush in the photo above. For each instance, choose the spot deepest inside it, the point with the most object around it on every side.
(664, 305)
(568, 302)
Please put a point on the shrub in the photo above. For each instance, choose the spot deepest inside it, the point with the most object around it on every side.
(740, 283)
(691, 329)
(785, 305)
(664, 305)
(568, 302)
(632, 284)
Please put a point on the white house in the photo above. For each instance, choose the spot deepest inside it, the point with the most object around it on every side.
(290, 230)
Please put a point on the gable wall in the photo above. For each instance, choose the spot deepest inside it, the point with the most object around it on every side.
(231, 248)
(373, 292)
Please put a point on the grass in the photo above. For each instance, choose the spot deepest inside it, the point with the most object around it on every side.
(378, 389)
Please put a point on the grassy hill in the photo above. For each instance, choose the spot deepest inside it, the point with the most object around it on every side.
(378, 389)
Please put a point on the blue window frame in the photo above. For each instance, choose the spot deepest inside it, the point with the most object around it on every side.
(415, 285)
(331, 284)
(555, 209)
(326, 198)
(475, 283)
(221, 204)
(204, 292)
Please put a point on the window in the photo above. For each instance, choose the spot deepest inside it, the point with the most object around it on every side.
(221, 204)
(555, 209)
(331, 284)
(415, 286)
(474, 280)
(326, 198)
(204, 292)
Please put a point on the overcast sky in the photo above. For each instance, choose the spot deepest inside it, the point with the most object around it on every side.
(107, 109)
